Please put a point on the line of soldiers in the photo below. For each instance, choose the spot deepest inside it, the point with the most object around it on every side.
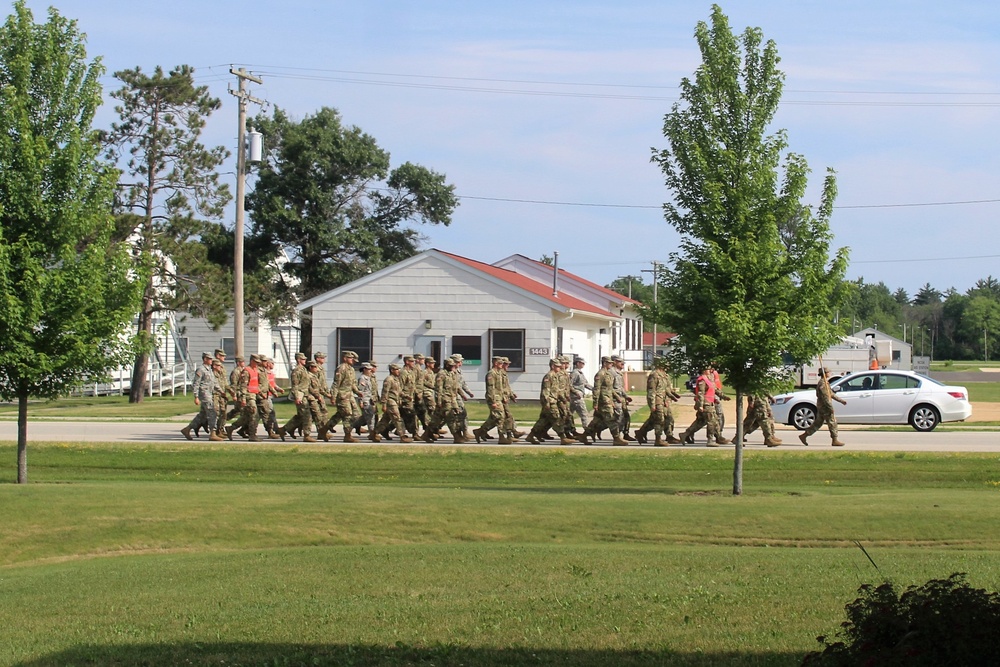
(250, 387)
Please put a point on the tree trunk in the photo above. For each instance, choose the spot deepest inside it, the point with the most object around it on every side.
(738, 440)
(137, 390)
(22, 436)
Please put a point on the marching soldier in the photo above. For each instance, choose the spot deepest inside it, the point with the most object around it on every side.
(251, 382)
(391, 395)
(204, 398)
(659, 394)
(343, 390)
(495, 401)
(705, 416)
(604, 405)
(824, 409)
(759, 415)
(302, 419)
(578, 392)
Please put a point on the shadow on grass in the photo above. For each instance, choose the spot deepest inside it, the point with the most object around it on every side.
(293, 655)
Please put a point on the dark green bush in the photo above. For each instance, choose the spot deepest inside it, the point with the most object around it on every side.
(942, 622)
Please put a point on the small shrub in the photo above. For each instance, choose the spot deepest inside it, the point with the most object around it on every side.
(942, 622)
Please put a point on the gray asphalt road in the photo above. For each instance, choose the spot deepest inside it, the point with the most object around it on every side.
(139, 433)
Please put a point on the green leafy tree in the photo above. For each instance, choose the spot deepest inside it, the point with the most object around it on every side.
(981, 325)
(66, 296)
(171, 181)
(634, 287)
(753, 277)
(326, 194)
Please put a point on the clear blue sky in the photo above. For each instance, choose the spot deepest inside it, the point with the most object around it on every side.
(561, 102)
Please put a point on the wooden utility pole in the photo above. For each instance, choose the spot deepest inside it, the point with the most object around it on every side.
(241, 159)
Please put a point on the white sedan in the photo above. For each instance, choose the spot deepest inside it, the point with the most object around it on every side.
(880, 397)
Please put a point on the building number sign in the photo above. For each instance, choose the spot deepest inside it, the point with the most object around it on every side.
(538, 351)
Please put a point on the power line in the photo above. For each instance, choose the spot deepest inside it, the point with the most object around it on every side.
(659, 206)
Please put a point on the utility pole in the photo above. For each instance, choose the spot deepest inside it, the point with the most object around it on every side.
(238, 302)
(656, 268)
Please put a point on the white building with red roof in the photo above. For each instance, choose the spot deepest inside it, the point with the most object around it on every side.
(438, 303)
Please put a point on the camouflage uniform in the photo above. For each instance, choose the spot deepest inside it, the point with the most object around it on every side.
(604, 405)
(824, 411)
(496, 399)
(302, 419)
(705, 416)
(392, 392)
(343, 390)
(659, 393)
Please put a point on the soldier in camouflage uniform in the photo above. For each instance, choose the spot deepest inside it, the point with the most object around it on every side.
(604, 405)
(392, 392)
(204, 398)
(550, 397)
(223, 393)
(446, 411)
(659, 394)
(508, 423)
(824, 409)
(759, 416)
(302, 419)
(344, 391)
(419, 406)
(408, 384)
(578, 392)
(496, 399)
(622, 399)
(463, 394)
(368, 392)
(320, 371)
(427, 395)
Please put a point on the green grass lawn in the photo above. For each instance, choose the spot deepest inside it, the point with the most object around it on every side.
(293, 555)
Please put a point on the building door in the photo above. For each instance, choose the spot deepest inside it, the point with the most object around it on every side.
(431, 346)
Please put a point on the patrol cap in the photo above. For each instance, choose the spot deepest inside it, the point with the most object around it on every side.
(220, 352)
(505, 360)
(555, 362)
(579, 360)
(449, 363)
(616, 358)
(409, 357)
(393, 367)
(300, 355)
(457, 357)
(320, 355)
(497, 360)
(365, 364)
(605, 360)
(418, 356)
(430, 360)
(206, 355)
(374, 365)
(562, 359)
(349, 353)
(238, 359)
(312, 364)
(216, 362)
(255, 357)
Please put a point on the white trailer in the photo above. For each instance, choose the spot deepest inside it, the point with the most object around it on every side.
(851, 354)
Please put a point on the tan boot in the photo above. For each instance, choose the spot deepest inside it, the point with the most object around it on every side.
(505, 439)
(479, 435)
(802, 439)
(348, 437)
(281, 433)
(215, 437)
(619, 440)
(567, 441)
(660, 442)
(374, 437)
(405, 438)
(186, 432)
(771, 442)
(672, 439)
(229, 431)
(719, 440)
(640, 436)
(837, 443)
(322, 433)
(309, 438)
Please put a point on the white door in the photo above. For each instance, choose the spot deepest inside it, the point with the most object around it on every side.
(859, 393)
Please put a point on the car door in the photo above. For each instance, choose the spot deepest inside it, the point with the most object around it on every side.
(857, 391)
(893, 398)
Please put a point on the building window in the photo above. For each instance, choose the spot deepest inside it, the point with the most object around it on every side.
(181, 350)
(229, 347)
(470, 347)
(355, 340)
(508, 343)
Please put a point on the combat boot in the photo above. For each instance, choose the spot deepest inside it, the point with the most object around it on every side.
(566, 440)
(186, 432)
(348, 437)
(505, 439)
(627, 436)
(214, 437)
(837, 443)
(771, 442)
(619, 440)
(640, 435)
(479, 435)
(322, 433)
(660, 442)
(802, 439)
(672, 439)
(281, 433)
(309, 438)
(273, 435)
(405, 438)
(374, 437)
(229, 431)
(719, 440)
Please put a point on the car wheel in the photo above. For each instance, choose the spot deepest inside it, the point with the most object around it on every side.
(924, 418)
(802, 417)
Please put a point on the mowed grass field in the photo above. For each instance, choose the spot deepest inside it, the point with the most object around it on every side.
(294, 555)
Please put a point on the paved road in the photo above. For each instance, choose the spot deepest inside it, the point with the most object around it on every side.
(165, 432)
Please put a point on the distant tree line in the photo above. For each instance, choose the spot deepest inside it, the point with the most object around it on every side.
(942, 325)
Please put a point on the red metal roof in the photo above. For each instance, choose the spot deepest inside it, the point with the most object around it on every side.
(662, 338)
(527, 284)
(609, 292)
